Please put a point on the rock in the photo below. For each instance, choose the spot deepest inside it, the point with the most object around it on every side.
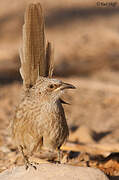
(53, 172)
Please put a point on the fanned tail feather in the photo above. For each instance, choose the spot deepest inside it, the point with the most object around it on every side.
(36, 57)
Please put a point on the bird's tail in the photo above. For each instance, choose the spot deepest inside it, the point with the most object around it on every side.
(36, 54)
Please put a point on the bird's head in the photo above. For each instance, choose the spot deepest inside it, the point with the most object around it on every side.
(50, 88)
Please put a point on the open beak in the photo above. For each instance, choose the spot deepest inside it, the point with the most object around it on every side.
(67, 86)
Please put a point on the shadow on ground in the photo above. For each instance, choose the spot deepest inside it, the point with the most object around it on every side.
(60, 16)
(114, 177)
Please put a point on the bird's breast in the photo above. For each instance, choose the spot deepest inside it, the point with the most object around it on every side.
(54, 124)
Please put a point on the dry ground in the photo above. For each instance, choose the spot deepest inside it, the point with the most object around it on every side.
(86, 39)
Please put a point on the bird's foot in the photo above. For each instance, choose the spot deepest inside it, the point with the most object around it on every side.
(28, 164)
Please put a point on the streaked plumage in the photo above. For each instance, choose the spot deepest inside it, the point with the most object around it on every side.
(39, 122)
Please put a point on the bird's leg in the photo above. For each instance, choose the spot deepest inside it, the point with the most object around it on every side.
(26, 160)
(59, 155)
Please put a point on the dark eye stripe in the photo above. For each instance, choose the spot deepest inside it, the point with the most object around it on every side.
(51, 86)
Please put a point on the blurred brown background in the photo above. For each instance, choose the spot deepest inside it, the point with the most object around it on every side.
(86, 41)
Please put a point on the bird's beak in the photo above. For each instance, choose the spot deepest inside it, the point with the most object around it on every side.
(67, 86)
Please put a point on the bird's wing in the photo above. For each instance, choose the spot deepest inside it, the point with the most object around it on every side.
(35, 55)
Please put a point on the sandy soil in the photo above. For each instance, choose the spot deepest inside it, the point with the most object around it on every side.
(86, 40)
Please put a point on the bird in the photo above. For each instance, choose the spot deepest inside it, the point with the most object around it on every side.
(39, 122)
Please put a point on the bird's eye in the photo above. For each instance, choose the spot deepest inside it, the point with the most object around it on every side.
(51, 86)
